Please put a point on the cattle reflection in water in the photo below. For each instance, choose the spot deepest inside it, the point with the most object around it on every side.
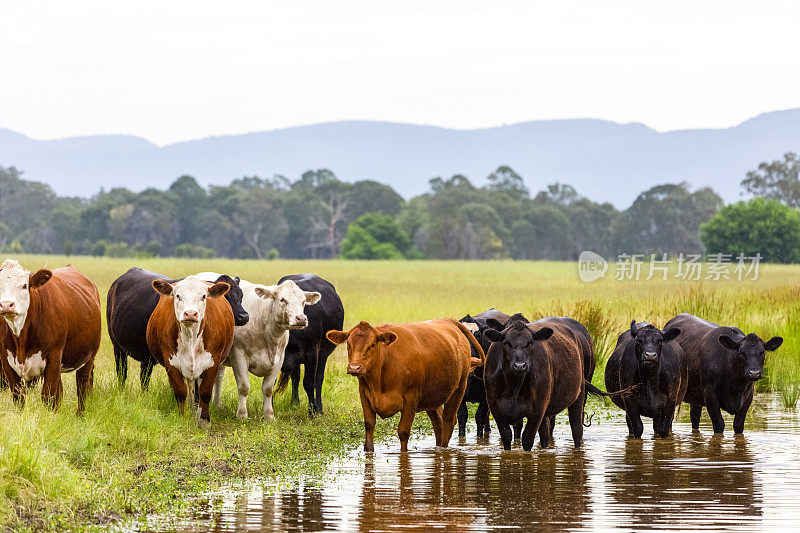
(694, 481)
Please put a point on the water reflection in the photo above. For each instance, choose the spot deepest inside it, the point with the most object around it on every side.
(692, 481)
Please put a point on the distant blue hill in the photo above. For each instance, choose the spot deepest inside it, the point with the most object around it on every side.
(603, 160)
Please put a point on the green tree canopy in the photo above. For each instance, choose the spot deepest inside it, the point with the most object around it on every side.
(761, 225)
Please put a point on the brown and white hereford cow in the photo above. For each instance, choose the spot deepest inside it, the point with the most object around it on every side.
(408, 368)
(190, 333)
(51, 325)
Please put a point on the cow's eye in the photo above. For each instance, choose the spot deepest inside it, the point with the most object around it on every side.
(204, 297)
(178, 296)
(283, 300)
(25, 286)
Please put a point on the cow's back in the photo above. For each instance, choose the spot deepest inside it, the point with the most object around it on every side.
(69, 309)
(432, 357)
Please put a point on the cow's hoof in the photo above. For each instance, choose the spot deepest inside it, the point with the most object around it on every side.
(269, 417)
(202, 423)
(241, 415)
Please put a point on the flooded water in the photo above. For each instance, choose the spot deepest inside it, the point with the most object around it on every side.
(692, 481)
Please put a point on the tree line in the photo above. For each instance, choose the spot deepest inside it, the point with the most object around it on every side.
(320, 216)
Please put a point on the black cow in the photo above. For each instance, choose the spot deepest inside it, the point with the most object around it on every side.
(131, 301)
(535, 371)
(647, 357)
(724, 363)
(476, 392)
(309, 346)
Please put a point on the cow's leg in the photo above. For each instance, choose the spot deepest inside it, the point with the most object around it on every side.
(178, 385)
(482, 419)
(83, 383)
(205, 390)
(369, 421)
(146, 371)
(319, 378)
(694, 415)
(662, 422)
(436, 419)
(517, 429)
(218, 387)
(121, 364)
(308, 386)
(52, 389)
(449, 412)
(242, 374)
(505, 433)
(532, 425)
(575, 412)
(13, 382)
(635, 425)
(267, 386)
(712, 406)
(738, 418)
(544, 430)
(406, 420)
(295, 377)
(463, 414)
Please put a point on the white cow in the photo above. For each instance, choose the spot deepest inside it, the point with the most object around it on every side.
(259, 345)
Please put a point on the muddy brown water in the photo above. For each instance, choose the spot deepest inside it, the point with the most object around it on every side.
(691, 481)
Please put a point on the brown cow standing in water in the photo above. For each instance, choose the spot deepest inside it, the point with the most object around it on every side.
(190, 333)
(51, 325)
(408, 368)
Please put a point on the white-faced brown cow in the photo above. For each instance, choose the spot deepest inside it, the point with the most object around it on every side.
(190, 333)
(51, 325)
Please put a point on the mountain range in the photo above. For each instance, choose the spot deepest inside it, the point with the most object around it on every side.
(603, 160)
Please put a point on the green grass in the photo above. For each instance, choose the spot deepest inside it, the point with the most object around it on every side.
(132, 454)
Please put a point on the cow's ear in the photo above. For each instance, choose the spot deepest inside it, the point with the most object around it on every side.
(543, 334)
(728, 342)
(387, 338)
(162, 286)
(494, 335)
(633, 328)
(218, 289)
(39, 278)
(671, 334)
(337, 337)
(312, 297)
(265, 292)
(773, 344)
(237, 279)
(495, 324)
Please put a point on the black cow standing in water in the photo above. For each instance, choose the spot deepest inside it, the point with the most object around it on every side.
(653, 362)
(476, 392)
(309, 346)
(131, 301)
(724, 364)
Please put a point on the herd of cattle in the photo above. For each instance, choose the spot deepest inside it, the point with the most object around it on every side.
(515, 369)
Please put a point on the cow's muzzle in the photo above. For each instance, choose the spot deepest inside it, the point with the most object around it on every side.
(356, 370)
(8, 308)
(519, 368)
(241, 318)
(649, 358)
(753, 375)
(299, 322)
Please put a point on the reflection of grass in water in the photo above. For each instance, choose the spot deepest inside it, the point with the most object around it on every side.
(132, 453)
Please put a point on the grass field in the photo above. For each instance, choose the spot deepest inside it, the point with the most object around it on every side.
(132, 454)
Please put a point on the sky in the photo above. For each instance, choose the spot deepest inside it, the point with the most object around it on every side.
(178, 70)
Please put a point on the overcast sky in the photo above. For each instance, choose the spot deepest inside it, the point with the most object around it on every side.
(173, 70)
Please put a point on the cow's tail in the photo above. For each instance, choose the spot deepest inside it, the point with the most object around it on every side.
(474, 362)
(283, 381)
(624, 393)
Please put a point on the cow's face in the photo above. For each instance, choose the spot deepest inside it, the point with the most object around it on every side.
(16, 285)
(189, 297)
(288, 302)
(234, 297)
(751, 352)
(364, 347)
(648, 341)
(516, 340)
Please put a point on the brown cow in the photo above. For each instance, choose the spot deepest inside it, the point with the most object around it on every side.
(190, 333)
(408, 368)
(51, 325)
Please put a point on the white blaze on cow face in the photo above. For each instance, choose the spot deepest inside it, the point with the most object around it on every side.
(288, 302)
(15, 296)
